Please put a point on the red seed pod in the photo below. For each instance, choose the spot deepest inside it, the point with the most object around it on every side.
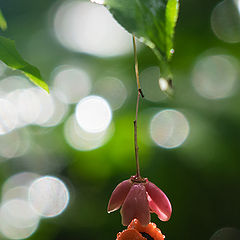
(136, 231)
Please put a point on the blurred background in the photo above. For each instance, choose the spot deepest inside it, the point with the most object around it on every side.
(76, 144)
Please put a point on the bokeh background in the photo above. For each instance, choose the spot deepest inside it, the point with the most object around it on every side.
(76, 144)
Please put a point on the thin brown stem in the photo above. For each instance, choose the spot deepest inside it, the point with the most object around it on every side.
(137, 106)
(135, 139)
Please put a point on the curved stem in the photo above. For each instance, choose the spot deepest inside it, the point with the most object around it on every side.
(136, 63)
(137, 106)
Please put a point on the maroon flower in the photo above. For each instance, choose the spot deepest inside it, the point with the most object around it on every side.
(138, 197)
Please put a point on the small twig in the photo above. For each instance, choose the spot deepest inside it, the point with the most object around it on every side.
(140, 93)
(140, 90)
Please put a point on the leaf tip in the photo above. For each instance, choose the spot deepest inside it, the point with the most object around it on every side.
(3, 22)
(44, 86)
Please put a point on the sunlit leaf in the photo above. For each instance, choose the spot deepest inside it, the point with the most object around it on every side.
(172, 9)
(152, 21)
(10, 56)
(3, 22)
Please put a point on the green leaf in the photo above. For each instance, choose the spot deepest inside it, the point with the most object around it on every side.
(3, 22)
(152, 21)
(171, 19)
(10, 56)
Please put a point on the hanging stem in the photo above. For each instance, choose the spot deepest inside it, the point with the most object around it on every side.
(137, 105)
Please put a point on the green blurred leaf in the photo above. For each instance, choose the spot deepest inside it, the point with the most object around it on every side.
(152, 21)
(10, 56)
(3, 22)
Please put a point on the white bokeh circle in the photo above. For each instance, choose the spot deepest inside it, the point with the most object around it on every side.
(48, 196)
(169, 128)
(93, 114)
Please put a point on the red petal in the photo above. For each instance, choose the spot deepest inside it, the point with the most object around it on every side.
(158, 202)
(118, 195)
(136, 206)
(154, 208)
